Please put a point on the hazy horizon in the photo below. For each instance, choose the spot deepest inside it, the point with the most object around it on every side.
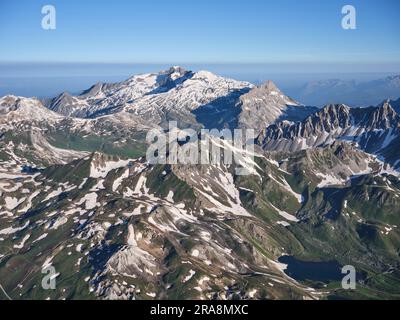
(49, 80)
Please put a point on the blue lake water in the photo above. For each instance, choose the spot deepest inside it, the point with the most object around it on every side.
(325, 271)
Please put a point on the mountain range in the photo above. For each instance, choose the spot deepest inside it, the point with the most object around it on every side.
(77, 194)
(351, 92)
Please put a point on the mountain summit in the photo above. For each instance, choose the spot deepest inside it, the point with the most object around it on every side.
(265, 104)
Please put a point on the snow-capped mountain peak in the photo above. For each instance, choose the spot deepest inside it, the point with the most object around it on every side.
(150, 94)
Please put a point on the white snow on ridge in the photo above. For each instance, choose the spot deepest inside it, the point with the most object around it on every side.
(43, 236)
(11, 230)
(195, 253)
(247, 190)
(53, 194)
(170, 196)
(119, 180)
(22, 243)
(132, 257)
(190, 276)
(283, 223)
(90, 201)
(285, 215)
(285, 185)
(234, 208)
(29, 201)
(329, 180)
(390, 136)
(101, 171)
(131, 236)
(12, 203)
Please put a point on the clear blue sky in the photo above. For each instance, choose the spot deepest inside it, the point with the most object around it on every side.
(201, 31)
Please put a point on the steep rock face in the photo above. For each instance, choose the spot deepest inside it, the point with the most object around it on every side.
(381, 118)
(266, 104)
(333, 164)
(314, 130)
(372, 129)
